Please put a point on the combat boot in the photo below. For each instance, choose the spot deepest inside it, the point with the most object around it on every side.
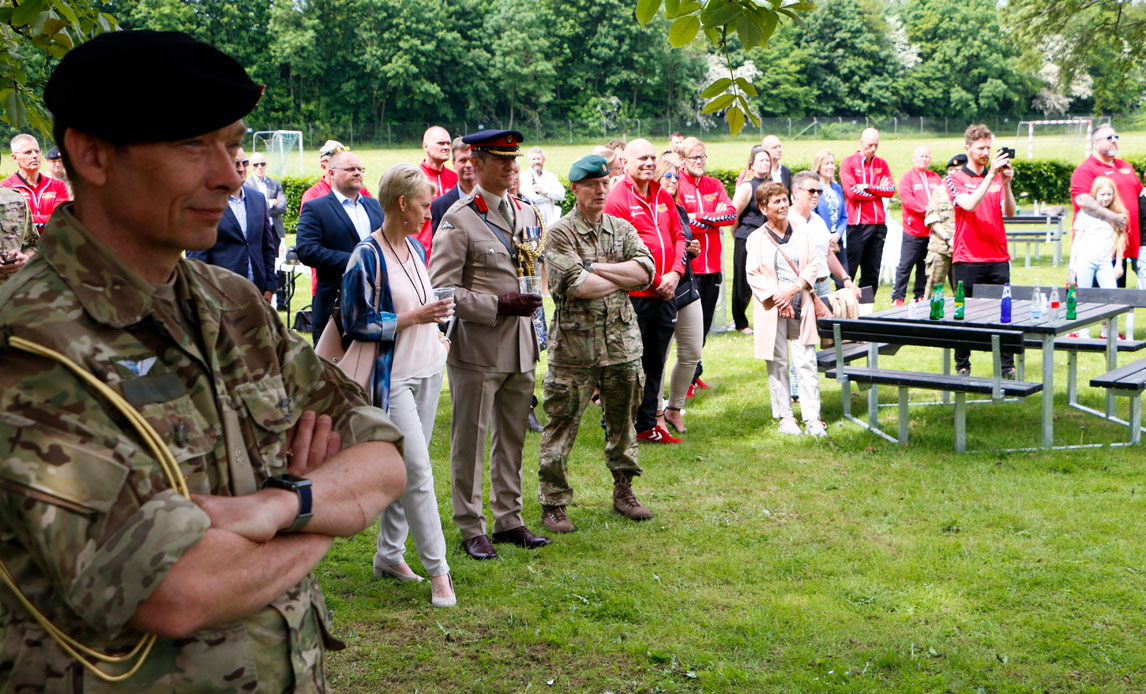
(554, 519)
(624, 502)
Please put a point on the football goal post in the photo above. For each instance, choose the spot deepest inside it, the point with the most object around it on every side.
(283, 150)
(1061, 138)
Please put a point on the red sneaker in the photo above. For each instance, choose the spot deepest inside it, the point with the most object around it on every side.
(897, 302)
(702, 385)
(691, 391)
(657, 435)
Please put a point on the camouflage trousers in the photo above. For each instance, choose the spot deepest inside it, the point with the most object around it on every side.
(567, 393)
(938, 272)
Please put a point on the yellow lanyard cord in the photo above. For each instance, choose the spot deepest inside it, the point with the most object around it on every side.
(174, 477)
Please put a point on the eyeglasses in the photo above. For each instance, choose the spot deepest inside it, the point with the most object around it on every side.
(351, 169)
(671, 175)
(813, 191)
(260, 164)
(699, 157)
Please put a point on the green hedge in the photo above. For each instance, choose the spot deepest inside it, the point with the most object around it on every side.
(294, 187)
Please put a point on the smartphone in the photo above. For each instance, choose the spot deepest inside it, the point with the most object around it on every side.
(5, 260)
(1009, 151)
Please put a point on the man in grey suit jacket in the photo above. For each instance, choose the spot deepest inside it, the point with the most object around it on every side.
(271, 189)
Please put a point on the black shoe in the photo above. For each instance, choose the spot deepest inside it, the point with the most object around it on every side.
(965, 371)
(521, 537)
(534, 425)
(1011, 374)
(479, 547)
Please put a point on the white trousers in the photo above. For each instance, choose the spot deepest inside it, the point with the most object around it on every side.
(413, 406)
(804, 359)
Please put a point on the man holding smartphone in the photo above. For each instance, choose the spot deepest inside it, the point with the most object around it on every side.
(982, 194)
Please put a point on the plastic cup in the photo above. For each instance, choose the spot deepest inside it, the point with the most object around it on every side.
(444, 293)
(529, 285)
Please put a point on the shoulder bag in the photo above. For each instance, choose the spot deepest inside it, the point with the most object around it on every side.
(354, 357)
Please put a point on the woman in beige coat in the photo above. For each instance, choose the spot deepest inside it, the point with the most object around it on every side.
(784, 315)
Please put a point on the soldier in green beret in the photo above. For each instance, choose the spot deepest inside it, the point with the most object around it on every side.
(158, 524)
(594, 260)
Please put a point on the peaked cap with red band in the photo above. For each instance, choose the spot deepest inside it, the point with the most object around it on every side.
(500, 143)
(148, 86)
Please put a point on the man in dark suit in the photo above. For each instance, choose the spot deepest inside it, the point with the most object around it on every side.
(246, 241)
(463, 165)
(271, 189)
(780, 173)
(331, 226)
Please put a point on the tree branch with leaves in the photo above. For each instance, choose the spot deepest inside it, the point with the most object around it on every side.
(753, 22)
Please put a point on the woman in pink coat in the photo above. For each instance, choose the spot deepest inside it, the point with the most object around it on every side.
(782, 268)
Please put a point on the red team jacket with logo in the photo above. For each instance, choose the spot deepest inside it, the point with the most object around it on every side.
(41, 199)
(443, 180)
(1125, 180)
(707, 204)
(915, 192)
(866, 207)
(657, 223)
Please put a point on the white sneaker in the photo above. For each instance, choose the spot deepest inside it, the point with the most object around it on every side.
(789, 426)
(817, 429)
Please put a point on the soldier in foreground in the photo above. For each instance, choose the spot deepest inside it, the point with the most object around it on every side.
(594, 261)
(195, 546)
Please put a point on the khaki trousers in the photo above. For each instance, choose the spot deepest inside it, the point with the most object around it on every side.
(485, 404)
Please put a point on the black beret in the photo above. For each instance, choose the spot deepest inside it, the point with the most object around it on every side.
(53, 153)
(148, 86)
(957, 160)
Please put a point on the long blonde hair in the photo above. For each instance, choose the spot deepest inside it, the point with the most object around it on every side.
(1116, 205)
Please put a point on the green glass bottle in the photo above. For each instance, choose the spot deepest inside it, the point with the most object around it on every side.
(1071, 301)
(959, 301)
(937, 302)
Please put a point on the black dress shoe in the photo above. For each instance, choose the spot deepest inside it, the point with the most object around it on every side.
(479, 547)
(534, 425)
(521, 537)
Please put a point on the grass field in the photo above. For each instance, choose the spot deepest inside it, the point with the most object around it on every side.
(734, 154)
(776, 564)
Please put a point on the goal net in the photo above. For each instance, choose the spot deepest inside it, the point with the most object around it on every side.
(283, 150)
(1067, 139)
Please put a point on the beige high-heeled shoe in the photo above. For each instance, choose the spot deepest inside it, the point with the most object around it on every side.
(444, 602)
(381, 569)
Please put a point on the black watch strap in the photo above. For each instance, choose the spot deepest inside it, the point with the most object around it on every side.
(300, 486)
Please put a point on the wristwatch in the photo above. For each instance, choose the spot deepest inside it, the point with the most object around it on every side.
(301, 487)
(589, 267)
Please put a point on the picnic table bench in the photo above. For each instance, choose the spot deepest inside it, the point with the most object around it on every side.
(887, 332)
(1128, 381)
(1050, 232)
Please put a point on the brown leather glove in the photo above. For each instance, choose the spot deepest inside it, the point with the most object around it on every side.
(518, 304)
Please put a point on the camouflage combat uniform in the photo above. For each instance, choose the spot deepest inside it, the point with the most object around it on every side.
(938, 260)
(592, 340)
(88, 524)
(16, 222)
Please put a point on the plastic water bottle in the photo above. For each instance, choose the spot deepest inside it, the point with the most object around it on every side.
(1037, 304)
(1055, 305)
(1005, 305)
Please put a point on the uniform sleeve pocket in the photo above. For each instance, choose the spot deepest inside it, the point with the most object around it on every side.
(62, 473)
(267, 402)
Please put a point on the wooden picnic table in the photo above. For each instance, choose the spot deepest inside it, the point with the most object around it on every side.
(985, 313)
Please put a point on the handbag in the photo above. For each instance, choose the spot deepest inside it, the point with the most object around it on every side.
(354, 357)
(822, 310)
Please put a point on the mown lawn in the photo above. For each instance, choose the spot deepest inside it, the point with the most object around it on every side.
(778, 564)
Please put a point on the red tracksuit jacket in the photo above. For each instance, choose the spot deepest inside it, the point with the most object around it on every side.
(866, 207)
(708, 206)
(41, 199)
(657, 223)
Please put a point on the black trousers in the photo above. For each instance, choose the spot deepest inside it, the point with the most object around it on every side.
(709, 287)
(913, 254)
(865, 251)
(741, 292)
(971, 274)
(657, 321)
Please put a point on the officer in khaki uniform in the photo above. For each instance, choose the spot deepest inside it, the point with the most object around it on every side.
(17, 235)
(494, 347)
(194, 540)
(940, 219)
(594, 260)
